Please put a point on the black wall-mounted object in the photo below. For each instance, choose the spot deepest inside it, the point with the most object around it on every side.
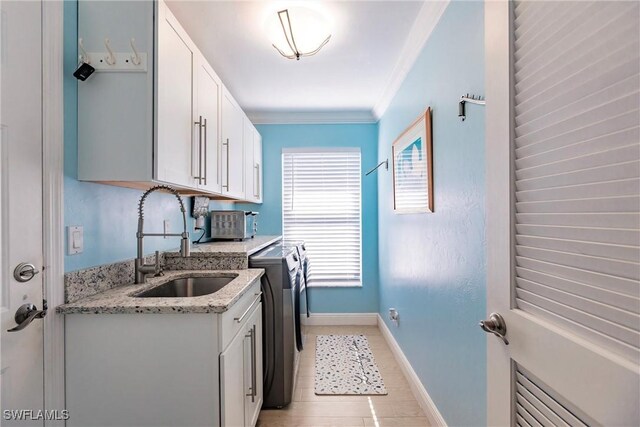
(83, 71)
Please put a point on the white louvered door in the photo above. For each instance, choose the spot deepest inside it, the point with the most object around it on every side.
(563, 222)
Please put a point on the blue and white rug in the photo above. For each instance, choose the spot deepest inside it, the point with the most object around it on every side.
(345, 365)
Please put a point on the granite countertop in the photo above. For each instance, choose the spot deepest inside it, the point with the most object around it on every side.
(229, 248)
(122, 300)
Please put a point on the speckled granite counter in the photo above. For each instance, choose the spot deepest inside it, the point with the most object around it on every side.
(219, 255)
(122, 300)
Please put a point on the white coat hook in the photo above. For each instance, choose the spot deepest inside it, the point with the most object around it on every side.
(111, 58)
(84, 56)
(135, 58)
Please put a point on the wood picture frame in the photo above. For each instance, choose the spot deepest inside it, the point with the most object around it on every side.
(412, 154)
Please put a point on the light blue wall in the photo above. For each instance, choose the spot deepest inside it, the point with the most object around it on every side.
(108, 214)
(432, 266)
(364, 136)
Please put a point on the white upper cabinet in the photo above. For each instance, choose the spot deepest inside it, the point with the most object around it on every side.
(171, 120)
(253, 163)
(176, 154)
(207, 126)
(232, 147)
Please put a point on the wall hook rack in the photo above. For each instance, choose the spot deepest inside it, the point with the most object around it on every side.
(472, 99)
(384, 162)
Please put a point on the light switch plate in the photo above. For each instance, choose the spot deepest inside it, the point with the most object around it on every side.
(75, 239)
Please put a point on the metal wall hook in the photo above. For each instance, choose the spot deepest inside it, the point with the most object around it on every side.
(478, 100)
(384, 162)
(135, 58)
(111, 58)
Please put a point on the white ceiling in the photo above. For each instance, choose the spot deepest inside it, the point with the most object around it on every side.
(350, 74)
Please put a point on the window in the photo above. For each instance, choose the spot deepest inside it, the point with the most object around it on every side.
(321, 205)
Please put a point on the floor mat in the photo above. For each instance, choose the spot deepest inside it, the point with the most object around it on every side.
(345, 366)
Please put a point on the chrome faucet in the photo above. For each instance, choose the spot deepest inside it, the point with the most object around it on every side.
(185, 244)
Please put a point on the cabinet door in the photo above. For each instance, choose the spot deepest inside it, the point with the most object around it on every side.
(249, 164)
(207, 98)
(232, 383)
(257, 160)
(253, 369)
(232, 148)
(174, 106)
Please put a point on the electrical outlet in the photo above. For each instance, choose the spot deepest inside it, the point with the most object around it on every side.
(167, 227)
(394, 316)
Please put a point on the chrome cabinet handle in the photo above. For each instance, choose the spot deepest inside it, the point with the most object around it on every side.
(227, 145)
(26, 313)
(199, 124)
(204, 129)
(254, 383)
(24, 272)
(495, 325)
(257, 192)
(248, 310)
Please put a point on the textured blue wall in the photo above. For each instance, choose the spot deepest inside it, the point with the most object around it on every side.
(432, 266)
(108, 214)
(364, 136)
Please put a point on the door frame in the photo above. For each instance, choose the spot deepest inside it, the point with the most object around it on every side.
(500, 209)
(53, 203)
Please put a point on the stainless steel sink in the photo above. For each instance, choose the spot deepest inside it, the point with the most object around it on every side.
(187, 287)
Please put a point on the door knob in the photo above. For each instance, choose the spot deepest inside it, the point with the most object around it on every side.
(25, 272)
(26, 313)
(496, 326)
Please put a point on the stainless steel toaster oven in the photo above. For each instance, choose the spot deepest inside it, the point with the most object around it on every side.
(233, 225)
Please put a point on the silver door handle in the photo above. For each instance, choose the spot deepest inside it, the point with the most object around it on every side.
(24, 272)
(26, 313)
(227, 145)
(248, 310)
(495, 325)
(257, 169)
(254, 382)
(204, 129)
(199, 124)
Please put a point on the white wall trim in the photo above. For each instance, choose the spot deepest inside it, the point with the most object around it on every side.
(425, 22)
(341, 319)
(420, 393)
(311, 117)
(53, 205)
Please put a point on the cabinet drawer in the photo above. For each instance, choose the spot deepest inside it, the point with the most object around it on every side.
(231, 321)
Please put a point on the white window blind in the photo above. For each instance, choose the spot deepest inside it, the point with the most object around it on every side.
(577, 168)
(321, 205)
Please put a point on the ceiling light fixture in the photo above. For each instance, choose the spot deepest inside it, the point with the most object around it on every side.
(287, 28)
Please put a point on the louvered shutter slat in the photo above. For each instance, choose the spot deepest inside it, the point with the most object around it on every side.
(577, 176)
(321, 205)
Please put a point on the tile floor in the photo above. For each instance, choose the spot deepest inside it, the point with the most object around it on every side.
(398, 408)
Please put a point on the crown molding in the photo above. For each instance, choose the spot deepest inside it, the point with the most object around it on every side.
(311, 117)
(425, 22)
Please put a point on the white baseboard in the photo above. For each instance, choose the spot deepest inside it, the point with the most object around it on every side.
(340, 319)
(420, 393)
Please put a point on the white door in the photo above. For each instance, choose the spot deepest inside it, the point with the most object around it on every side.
(175, 125)
(209, 88)
(253, 368)
(232, 147)
(563, 169)
(232, 390)
(21, 206)
(249, 164)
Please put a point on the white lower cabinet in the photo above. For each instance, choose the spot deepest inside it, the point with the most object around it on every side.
(152, 370)
(241, 374)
